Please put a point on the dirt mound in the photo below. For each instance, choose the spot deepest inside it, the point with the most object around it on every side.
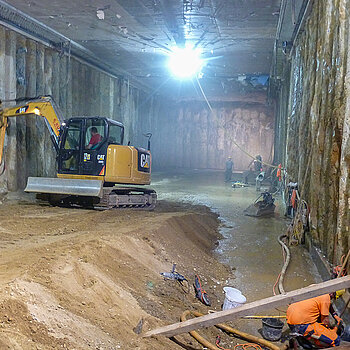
(79, 279)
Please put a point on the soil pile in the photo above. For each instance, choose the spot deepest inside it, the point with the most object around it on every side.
(84, 279)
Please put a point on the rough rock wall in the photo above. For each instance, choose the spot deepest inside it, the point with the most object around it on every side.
(194, 137)
(29, 69)
(318, 140)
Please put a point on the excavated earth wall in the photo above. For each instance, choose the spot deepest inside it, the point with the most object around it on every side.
(317, 120)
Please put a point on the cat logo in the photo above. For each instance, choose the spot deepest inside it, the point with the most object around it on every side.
(101, 158)
(145, 160)
(22, 110)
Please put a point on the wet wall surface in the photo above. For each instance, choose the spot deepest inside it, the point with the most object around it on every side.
(191, 136)
(318, 124)
(249, 245)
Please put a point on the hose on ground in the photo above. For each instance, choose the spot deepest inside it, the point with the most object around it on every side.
(286, 263)
(227, 329)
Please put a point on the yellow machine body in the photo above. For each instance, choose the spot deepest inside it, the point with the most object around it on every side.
(121, 168)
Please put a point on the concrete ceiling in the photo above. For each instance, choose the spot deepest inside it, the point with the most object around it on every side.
(237, 36)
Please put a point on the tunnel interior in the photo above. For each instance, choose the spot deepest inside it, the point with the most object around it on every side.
(273, 82)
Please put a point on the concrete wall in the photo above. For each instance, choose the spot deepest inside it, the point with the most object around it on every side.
(194, 137)
(317, 153)
(29, 69)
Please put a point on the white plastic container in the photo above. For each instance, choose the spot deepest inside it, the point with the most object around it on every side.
(233, 298)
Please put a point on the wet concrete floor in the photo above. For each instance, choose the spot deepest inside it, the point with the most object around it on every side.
(250, 244)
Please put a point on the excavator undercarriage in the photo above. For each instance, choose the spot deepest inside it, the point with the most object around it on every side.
(90, 193)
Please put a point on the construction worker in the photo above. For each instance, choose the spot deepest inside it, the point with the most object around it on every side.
(254, 168)
(95, 138)
(228, 169)
(310, 320)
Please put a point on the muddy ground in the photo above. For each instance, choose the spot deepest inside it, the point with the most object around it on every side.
(83, 279)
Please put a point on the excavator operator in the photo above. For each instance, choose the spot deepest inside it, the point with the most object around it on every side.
(310, 320)
(95, 138)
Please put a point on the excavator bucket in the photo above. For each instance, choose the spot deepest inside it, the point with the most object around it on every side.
(74, 187)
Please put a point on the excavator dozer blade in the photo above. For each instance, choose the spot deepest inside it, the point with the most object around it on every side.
(74, 187)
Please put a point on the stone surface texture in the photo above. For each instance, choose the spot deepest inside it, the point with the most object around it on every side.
(316, 125)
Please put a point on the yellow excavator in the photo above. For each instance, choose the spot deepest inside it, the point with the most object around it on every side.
(92, 161)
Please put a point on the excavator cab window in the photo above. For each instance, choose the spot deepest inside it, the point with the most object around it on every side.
(70, 152)
(116, 134)
(95, 133)
(73, 137)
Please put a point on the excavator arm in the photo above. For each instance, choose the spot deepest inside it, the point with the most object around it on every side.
(43, 107)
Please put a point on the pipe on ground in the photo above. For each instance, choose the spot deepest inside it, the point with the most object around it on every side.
(286, 263)
(228, 329)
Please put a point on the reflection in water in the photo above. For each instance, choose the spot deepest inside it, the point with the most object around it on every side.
(249, 244)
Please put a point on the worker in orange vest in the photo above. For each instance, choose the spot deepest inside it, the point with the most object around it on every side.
(310, 319)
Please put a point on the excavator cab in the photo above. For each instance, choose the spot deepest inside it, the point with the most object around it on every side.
(84, 142)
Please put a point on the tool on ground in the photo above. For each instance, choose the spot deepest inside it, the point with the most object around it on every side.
(264, 207)
(92, 160)
(173, 275)
(238, 184)
(201, 294)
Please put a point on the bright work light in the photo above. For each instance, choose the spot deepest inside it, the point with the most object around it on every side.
(185, 62)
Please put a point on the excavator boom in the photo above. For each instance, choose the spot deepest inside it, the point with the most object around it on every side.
(43, 107)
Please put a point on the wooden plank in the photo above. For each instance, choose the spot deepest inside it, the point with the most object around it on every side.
(256, 306)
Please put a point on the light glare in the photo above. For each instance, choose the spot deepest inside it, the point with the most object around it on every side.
(185, 62)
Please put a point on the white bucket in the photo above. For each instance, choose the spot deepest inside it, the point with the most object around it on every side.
(233, 298)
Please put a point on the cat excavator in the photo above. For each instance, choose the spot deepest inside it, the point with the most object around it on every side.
(95, 168)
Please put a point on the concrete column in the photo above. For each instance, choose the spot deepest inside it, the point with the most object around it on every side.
(104, 95)
(69, 107)
(39, 122)
(10, 93)
(85, 107)
(3, 182)
(63, 83)
(50, 154)
(56, 77)
(111, 98)
(31, 135)
(116, 102)
(77, 87)
(21, 53)
(87, 92)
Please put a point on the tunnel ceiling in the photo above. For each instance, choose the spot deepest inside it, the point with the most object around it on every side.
(236, 36)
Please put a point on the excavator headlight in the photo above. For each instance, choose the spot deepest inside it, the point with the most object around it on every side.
(36, 111)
